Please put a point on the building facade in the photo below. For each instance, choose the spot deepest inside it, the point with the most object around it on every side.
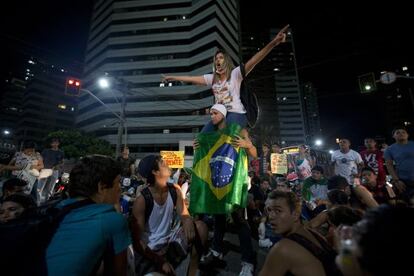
(311, 111)
(289, 98)
(45, 107)
(34, 103)
(138, 41)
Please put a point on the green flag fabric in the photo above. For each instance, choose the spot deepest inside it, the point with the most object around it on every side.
(220, 173)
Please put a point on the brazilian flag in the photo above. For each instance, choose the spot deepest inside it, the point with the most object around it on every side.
(220, 173)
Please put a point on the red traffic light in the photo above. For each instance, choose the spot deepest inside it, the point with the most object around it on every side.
(72, 87)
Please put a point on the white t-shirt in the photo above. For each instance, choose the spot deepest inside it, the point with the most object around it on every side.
(228, 91)
(346, 163)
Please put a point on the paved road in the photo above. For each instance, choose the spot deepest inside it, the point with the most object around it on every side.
(231, 265)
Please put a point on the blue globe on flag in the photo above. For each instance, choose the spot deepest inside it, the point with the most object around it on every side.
(222, 165)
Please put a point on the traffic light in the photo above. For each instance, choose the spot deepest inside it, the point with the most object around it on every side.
(72, 87)
(367, 83)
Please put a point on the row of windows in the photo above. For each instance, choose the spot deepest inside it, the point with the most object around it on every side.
(149, 57)
(190, 129)
(166, 43)
(291, 128)
(134, 72)
(136, 115)
(233, 8)
(97, 7)
(160, 30)
(292, 123)
(152, 148)
(141, 8)
(290, 135)
(174, 28)
(93, 36)
(47, 124)
(176, 106)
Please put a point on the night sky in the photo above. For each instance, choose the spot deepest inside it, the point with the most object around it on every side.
(334, 44)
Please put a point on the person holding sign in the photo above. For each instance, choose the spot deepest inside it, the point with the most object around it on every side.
(226, 81)
(174, 159)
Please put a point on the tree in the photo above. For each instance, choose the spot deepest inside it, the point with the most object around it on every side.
(76, 144)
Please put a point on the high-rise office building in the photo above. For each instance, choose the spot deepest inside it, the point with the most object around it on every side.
(261, 81)
(34, 101)
(289, 98)
(11, 106)
(138, 41)
(283, 110)
(311, 112)
(44, 107)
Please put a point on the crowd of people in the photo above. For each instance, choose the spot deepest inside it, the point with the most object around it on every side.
(311, 224)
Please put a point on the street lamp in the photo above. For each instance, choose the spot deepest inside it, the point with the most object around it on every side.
(6, 132)
(103, 83)
(73, 88)
(318, 142)
(106, 83)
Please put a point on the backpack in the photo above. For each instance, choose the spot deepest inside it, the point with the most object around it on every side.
(24, 241)
(149, 200)
(326, 255)
(249, 100)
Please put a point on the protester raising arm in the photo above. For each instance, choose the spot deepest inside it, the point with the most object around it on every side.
(259, 56)
(199, 80)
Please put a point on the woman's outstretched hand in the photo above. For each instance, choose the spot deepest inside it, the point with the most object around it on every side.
(281, 35)
(165, 78)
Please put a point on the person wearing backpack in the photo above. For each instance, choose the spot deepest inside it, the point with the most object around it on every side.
(162, 245)
(301, 251)
(226, 83)
(92, 234)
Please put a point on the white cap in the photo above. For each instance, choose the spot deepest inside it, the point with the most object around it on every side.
(220, 108)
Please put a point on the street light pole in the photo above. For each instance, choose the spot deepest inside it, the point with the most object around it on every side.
(122, 120)
(101, 102)
(122, 125)
(122, 86)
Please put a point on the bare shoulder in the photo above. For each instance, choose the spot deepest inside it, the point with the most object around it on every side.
(290, 251)
(139, 205)
(298, 260)
(282, 249)
(276, 262)
(361, 189)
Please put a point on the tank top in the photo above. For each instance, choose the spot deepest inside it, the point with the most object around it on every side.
(158, 228)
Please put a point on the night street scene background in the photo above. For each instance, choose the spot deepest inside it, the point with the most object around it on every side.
(334, 44)
(91, 92)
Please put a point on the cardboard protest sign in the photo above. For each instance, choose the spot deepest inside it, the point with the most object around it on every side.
(278, 163)
(174, 159)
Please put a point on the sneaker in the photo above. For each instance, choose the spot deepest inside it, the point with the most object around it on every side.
(217, 254)
(205, 257)
(265, 243)
(210, 255)
(247, 269)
